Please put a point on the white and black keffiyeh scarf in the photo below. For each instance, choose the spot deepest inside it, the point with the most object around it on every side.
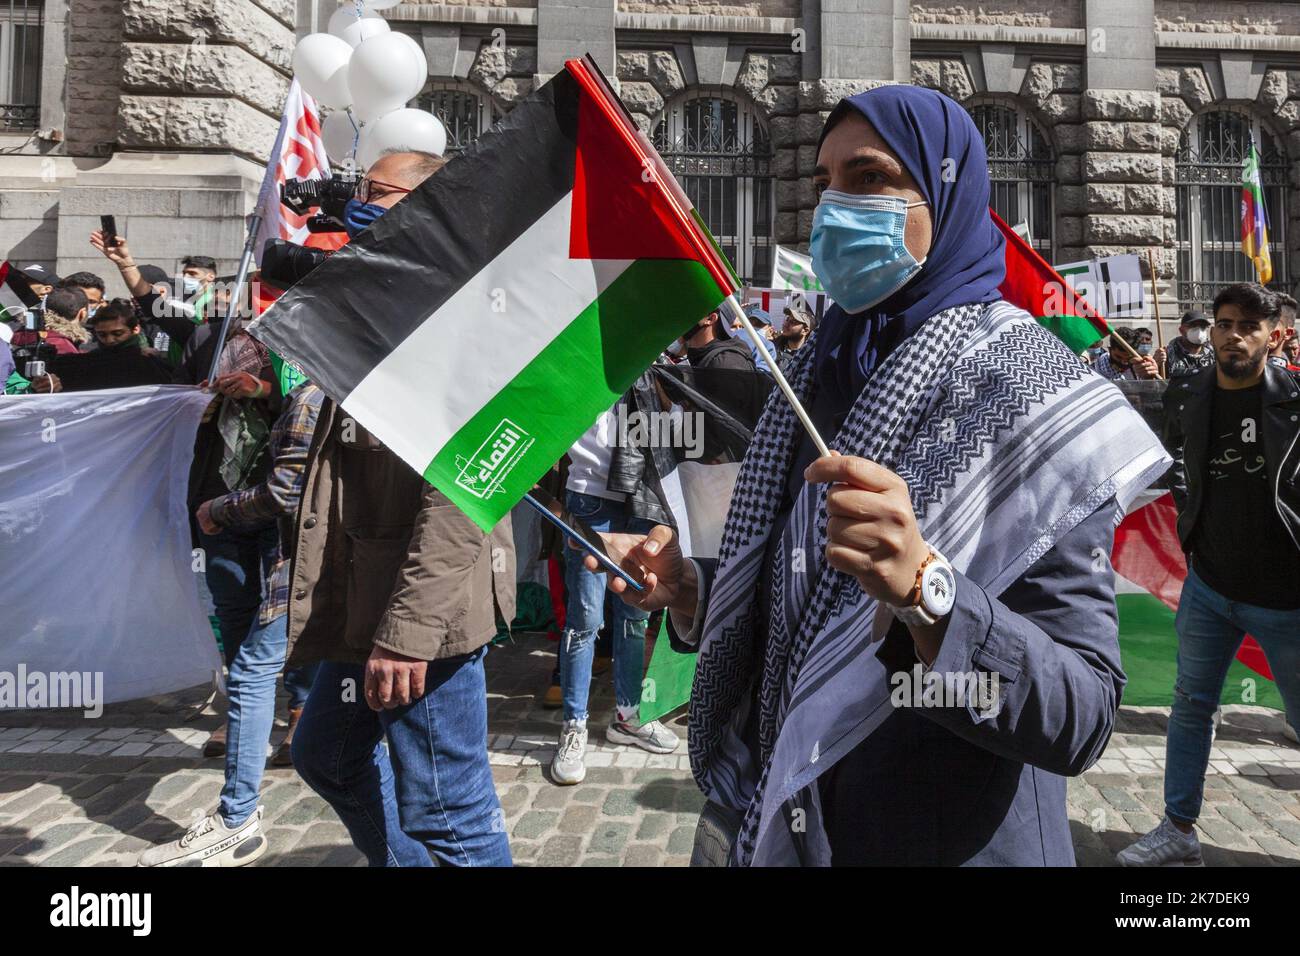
(1006, 442)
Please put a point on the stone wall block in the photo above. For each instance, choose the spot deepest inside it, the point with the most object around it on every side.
(1138, 105)
(1121, 167)
(1140, 230)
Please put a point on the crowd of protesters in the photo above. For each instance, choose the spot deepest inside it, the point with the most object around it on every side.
(331, 561)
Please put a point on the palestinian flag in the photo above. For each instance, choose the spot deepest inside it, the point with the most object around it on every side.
(1149, 572)
(1036, 287)
(484, 323)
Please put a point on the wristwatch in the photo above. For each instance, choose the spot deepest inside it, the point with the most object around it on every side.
(933, 595)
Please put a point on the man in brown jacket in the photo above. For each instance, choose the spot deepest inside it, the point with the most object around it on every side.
(398, 594)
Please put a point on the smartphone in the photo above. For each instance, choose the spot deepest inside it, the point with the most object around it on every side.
(577, 530)
(108, 226)
(34, 320)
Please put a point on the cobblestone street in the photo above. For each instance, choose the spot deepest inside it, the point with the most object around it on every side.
(81, 792)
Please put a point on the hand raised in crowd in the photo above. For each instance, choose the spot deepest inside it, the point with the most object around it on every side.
(872, 532)
(656, 560)
(241, 385)
(47, 384)
(392, 679)
(1161, 357)
(204, 518)
(119, 255)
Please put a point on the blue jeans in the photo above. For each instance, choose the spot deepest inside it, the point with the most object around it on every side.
(430, 790)
(1210, 629)
(236, 563)
(586, 613)
(251, 713)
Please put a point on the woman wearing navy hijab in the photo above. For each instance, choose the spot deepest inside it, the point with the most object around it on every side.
(906, 647)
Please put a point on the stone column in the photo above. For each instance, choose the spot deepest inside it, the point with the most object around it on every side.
(1124, 200)
(569, 28)
(197, 97)
(850, 46)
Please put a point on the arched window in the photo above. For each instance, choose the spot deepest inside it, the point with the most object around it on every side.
(1022, 171)
(1207, 182)
(720, 152)
(463, 112)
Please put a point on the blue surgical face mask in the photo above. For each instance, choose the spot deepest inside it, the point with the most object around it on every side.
(357, 215)
(189, 285)
(857, 247)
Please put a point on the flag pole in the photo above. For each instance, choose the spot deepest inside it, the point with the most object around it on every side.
(237, 293)
(733, 306)
(1155, 300)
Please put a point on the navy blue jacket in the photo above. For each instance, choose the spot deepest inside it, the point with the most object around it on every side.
(943, 786)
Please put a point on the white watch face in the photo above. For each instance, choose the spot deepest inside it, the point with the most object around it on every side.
(938, 588)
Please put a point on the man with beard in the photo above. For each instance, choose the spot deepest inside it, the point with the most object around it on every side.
(1232, 431)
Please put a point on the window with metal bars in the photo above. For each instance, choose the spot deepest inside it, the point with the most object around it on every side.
(1207, 186)
(719, 150)
(464, 113)
(21, 26)
(1022, 171)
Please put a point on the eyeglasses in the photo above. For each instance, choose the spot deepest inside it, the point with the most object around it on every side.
(365, 190)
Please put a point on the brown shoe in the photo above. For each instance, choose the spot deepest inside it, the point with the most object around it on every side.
(283, 755)
(554, 698)
(216, 745)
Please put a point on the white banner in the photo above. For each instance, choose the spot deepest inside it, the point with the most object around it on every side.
(96, 570)
(793, 271)
(1113, 285)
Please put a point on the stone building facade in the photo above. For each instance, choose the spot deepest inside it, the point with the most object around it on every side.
(1113, 125)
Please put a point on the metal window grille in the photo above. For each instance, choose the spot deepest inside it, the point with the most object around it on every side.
(464, 114)
(721, 154)
(1207, 185)
(1022, 171)
(21, 25)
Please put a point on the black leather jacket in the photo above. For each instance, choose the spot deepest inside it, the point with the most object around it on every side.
(1187, 438)
(634, 470)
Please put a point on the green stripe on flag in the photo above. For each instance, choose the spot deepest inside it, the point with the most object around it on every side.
(497, 456)
(668, 678)
(1148, 647)
(1077, 333)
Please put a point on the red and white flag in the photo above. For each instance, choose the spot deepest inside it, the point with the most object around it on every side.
(299, 153)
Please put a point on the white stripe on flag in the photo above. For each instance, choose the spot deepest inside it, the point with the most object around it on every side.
(424, 379)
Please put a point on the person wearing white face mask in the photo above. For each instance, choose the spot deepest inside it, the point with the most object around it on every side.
(1191, 351)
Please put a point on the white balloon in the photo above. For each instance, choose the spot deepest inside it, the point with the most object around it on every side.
(345, 25)
(401, 129)
(338, 134)
(385, 72)
(320, 61)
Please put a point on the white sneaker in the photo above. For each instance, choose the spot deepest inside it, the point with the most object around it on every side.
(652, 736)
(209, 842)
(1166, 845)
(567, 767)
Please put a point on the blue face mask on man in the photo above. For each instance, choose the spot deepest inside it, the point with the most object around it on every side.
(357, 215)
(857, 248)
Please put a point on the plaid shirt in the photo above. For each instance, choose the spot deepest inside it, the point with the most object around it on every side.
(1106, 369)
(280, 493)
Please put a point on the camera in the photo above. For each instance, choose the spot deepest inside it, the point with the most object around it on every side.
(285, 262)
(301, 196)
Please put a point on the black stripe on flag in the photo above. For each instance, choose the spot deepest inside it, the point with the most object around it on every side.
(343, 319)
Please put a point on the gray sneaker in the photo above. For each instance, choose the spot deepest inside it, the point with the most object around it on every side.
(1166, 845)
(209, 842)
(652, 736)
(567, 767)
